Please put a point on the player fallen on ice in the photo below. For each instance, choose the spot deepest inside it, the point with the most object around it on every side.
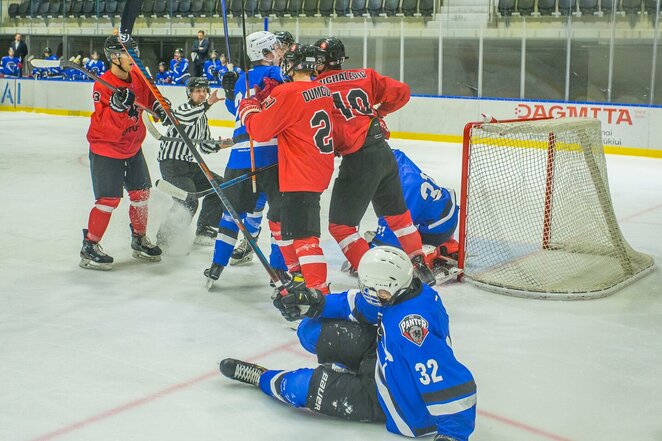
(178, 167)
(116, 135)
(384, 352)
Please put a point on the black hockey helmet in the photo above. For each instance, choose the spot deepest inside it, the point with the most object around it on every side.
(47, 50)
(333, 51)
(112, 46)
(163, 63)
(180, 51)
(285, 38)
(196, 83)
(301, 57)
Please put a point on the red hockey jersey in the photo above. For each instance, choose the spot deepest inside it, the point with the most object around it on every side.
(118, 134)
(356, 93)
(299, 114)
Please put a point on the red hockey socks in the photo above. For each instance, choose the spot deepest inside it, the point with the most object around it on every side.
(138, 210)
(351, 243)
(286, 247)
(406, 232)
(99, 217)
(313, 264)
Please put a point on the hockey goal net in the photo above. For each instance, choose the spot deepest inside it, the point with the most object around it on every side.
(536, 218)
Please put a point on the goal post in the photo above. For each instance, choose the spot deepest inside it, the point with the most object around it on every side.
(536, 218)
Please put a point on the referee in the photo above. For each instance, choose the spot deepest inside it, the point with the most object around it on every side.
(178, 167)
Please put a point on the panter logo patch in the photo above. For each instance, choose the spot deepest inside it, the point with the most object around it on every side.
(414, 328)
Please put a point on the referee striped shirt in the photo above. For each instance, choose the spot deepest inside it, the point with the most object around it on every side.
(193, 119)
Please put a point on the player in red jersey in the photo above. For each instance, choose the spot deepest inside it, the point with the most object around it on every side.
(299, 113)
(115, 135)
(368, 171)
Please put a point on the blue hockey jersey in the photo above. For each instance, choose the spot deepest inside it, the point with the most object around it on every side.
(421, 386)
(97, 67)
(164, 77)
(266, 153)
(433, 208)
(179, 71)
(211, 70)
(9, 66)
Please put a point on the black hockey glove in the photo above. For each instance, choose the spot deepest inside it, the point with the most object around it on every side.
(290, 313)
(310, 301)
(158, 109)
(121, 99)
(228, 80)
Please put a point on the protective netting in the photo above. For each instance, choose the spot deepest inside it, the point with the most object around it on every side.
(540, 222)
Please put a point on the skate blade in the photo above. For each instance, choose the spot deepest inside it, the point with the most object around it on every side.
(241, 261)
(143, 256)
(90, 264)
(210, 283)
(447, 275)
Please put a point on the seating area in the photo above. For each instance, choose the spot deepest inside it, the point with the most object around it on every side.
(574, 7)
(39, 9)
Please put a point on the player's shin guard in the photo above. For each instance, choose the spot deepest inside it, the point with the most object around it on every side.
(290, 387)
(225, 240)
(286, 247)
(138, 210)
(406, 232)
(313, 264)
(100, 217)
(351, 243)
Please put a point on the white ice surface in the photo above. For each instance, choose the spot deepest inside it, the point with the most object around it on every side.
(132, 354)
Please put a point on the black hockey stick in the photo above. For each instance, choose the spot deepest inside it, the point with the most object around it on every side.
(127, 25)
(151, 128)
(176, 192)
(66, 64)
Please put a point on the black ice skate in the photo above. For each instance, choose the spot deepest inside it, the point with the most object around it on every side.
(243, 253)
(205, 235)
(242, 371)
(143, 248)
(212, 274)
(347, 267)
(422, 271)
(93, 257)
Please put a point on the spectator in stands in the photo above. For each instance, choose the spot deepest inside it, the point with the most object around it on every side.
(212, 68)
(9, 65)
(95, 65)
(20, 51)
(179, 67)
(163, 75)
(199, 55)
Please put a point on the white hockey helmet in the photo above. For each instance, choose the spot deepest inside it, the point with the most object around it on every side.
(261, 43)
(386, 268)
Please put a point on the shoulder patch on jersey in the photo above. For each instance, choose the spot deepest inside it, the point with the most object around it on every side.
(414, 328)
(268, 102)
(96, 96)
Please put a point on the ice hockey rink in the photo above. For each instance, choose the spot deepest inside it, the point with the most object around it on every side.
(132, 354)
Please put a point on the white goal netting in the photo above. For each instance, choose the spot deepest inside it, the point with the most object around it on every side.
(538, 212)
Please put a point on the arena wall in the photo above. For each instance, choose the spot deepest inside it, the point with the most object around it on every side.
(627, 129)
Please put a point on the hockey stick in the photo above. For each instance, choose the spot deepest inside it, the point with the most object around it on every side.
(151, 128)
(127, 25)
(244, 65)
(66, 64)
(227, 36)
(176, 192)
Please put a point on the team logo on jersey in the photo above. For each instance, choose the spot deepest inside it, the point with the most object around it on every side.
(268, 102)
(414, 328)
(96, 96)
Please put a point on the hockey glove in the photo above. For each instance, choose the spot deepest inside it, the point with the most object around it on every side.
(247, 107)
(228, 80)
(158, 109)
(264, 92)
(385, 131)
(290, 313)
(310, 301)
(121, 99)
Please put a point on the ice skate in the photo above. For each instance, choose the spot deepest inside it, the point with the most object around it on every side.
(143, 248)
(248, 373)
(205, 235)
(369, 235)
(347, 267)
(422, 271)
(449, 249)
(212, 274)
(243, 253)
(93, 257)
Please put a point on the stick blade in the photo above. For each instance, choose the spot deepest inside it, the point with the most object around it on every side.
(45, 64)
(171, 189)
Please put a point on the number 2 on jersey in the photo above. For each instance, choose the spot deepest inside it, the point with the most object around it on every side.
(423, 370)
(322, 137)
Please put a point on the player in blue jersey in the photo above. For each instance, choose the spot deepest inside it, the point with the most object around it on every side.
(384, 351)
(264, 52)
(179, 67)
(163, 76)
(9, 65)
(212, 67)
(95, 65)
(434, 212)
(54, 73)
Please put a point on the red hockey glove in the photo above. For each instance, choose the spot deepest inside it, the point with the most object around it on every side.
(247, 107)
(385, 130)
(269, 85)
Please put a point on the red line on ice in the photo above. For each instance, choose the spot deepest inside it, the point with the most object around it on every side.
(522, 426)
